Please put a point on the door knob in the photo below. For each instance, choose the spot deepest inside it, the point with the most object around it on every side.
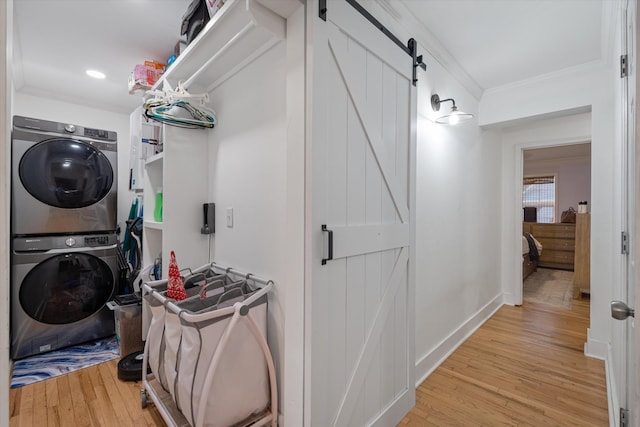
(621, 311)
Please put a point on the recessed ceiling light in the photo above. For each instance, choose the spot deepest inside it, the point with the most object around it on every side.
(96, 74)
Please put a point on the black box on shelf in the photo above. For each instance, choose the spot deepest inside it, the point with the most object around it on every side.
(195, 19)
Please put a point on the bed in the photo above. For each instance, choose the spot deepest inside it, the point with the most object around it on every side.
(531, 250)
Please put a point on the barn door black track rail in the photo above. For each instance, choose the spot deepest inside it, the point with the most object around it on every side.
(410, 48)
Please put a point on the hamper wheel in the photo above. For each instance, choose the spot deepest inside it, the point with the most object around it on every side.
(144, 398)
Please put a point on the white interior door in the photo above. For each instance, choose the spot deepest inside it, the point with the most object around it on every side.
(630, 379)
(633, 286)
(360, 332)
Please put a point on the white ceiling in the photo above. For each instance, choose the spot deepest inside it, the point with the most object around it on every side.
(496, 42)
(57, 40)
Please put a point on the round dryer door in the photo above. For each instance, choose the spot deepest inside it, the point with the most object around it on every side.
(65, 173)
(66, 288)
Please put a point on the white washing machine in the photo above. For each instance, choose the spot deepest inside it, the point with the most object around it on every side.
(63, 178)
(59, 289)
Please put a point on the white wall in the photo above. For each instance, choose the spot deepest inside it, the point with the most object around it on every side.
(594, 88)
(248, 172)
(54, 110)
(574, 185)
(573, 180)
(457, 221)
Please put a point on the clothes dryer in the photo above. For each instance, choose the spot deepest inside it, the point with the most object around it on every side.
(59, 289)
(64, 178)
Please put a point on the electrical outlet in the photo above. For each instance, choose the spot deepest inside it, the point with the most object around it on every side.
(230, 217)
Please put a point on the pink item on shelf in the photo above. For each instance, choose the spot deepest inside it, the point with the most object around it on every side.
(175, 285)
(146, 75)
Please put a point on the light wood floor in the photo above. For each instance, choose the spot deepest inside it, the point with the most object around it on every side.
(89, 397)
(524, 366)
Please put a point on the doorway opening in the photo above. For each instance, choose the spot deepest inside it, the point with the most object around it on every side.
(556, 227)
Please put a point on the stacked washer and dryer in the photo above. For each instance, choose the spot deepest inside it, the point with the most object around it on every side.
(64, 245)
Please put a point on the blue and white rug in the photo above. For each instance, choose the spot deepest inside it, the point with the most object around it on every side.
(52, 364)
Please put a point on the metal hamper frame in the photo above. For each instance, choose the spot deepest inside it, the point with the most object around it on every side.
(240, 311)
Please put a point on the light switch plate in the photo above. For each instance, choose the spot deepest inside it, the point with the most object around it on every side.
(230, 217)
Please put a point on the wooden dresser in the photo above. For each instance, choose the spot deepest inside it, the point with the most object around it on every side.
(582, 276)
(558, 243)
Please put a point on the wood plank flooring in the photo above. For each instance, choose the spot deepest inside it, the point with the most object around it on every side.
(89, 397)
(524, 366)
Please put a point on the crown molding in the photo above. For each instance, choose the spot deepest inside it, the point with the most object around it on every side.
(587, 67)
(610, 13)
(398, 11)
(403, 17)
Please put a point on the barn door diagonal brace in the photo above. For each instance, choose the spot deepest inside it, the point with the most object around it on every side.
(411, 48)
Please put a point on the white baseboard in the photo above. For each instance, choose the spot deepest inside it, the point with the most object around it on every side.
(612, 390)
(429, 362)
(595, 348)
(508, 298)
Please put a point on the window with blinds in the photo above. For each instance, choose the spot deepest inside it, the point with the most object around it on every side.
(540, 192)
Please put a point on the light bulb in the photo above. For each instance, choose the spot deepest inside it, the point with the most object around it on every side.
(95, 74)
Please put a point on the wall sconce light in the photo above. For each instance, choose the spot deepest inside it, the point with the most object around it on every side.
(454, 117)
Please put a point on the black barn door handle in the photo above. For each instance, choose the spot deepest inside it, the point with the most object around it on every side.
(330, 249)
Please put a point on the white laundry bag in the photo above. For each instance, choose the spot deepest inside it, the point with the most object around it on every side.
(163, 342)
(155, 333)
(240, 386)
(173, 329)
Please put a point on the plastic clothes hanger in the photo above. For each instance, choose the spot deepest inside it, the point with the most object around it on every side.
(169, 114)
(175, 107)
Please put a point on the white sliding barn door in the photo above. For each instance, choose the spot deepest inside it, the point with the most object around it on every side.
(359, 358)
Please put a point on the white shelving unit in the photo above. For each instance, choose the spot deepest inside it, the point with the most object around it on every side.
(155, 225)
(153, 179)
(141, 152)
(239, 32)
(181, 172)
(156, 158)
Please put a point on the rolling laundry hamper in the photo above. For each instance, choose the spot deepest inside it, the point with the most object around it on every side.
(210, 362)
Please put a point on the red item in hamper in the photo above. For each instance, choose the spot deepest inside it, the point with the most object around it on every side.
(175, 285)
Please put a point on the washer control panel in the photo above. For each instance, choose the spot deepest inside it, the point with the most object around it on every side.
(101, 135)
(45, 243)
(97, 240)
